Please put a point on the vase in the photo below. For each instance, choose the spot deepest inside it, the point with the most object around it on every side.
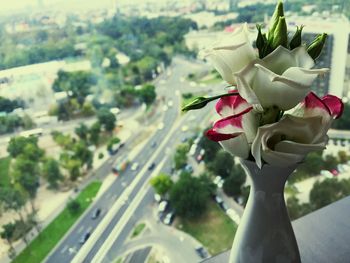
(265, 233)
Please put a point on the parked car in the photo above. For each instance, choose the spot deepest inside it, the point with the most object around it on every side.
(233, 215)
(157, 197)
(202, 252)
(169, 218)
(326, 174)
(96, 213)
(151, 167)
(218, 199)
(162, 206)
(134, 166)
(84, 238)
(154, 144)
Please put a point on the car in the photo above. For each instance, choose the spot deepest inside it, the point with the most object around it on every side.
(169, 218)
(218, 199)
(170, 103)
(96, 213)
(162, 206)
(184, 128)
(326, 174)
(334, 172)
(223, 206)
(84, 238)
(157, 197)
(134, 166)
(202, 252)
(151, 167)
(154, 144)
(161, 126)
(219, 181)
(189, 168)
(165, 108)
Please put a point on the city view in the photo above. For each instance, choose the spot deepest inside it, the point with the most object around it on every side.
(98, 160)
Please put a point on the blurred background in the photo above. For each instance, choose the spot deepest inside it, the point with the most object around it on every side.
(97, 161)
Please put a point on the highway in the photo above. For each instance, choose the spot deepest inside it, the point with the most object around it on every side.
(68, 247)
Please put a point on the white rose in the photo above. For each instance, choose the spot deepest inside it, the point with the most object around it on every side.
(231, 54)
(288, 141)
(283, 78)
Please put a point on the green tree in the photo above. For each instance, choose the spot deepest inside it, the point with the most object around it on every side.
(295, 209)
(343, 157)
(147, 94)
(343, 123)
(7, 233)
(29, 182)
(82, 131)
(112, 142)
(330, 162)
(12, 199)
(73, 207)
(312, 164)
(107, 119)
(210, 147)
(328, 191)
(189, 196)
(233, 184)
(222, 164)
(51, 171)
(82, 153)
(180, 157)
(94, 132)
(161, 183)
(17, 145)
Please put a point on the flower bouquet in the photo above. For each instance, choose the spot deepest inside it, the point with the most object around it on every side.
(271, 119)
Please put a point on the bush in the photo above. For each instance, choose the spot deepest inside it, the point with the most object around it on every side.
(100, 155)
(73, 207)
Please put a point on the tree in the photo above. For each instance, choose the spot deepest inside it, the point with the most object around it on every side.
(295, 209)
(147, 94)
(112, 142)
(30, 184)
(8, 233)
(161, 183)
(94, 132)
(330, 162)
(82, 131)
(189, 196)
(233, 184)
(73, 207)
(51, 170)
(180, 157)
(17, 145)
(210, 147)
(12, 199)
(107, 119)
(82, 153)
(328, 191)
(222, 164)
(312, 164)
(343, 157)
(344, 122)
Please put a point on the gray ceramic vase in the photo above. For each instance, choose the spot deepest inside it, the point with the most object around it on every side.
(265, 233)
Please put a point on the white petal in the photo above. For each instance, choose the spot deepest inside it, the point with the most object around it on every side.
(237, 146)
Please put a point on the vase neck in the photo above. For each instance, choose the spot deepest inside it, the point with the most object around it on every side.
(269, 179)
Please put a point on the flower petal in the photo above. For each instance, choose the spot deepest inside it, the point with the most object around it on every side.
(231, 54)
(237, 146)
(216, 136)
(334, 104)
(292, 137)
(231, 105)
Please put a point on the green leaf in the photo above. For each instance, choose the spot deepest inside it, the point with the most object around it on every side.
(316, 46)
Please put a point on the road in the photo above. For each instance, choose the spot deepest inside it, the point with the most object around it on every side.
(62, 252)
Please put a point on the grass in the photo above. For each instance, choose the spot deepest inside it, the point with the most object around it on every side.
(4, 171)
(41, 246)
(214, 229)
(138, 230)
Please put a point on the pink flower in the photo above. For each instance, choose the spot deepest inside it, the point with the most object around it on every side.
(237, 128)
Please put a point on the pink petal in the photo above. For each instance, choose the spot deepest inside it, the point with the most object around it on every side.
(216, 136)
(234, 121)
(312, 101)
(231, 105)
(334, 104)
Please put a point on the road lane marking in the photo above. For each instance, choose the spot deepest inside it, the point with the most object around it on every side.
(80, 229)
(64, 249)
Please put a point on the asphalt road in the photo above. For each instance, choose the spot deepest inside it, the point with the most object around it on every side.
(70, 244)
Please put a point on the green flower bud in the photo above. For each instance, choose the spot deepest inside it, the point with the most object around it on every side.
(196, 104)
(316, 46)
(280, 35)
(261, 41)
(296, 40)
(275, 19)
